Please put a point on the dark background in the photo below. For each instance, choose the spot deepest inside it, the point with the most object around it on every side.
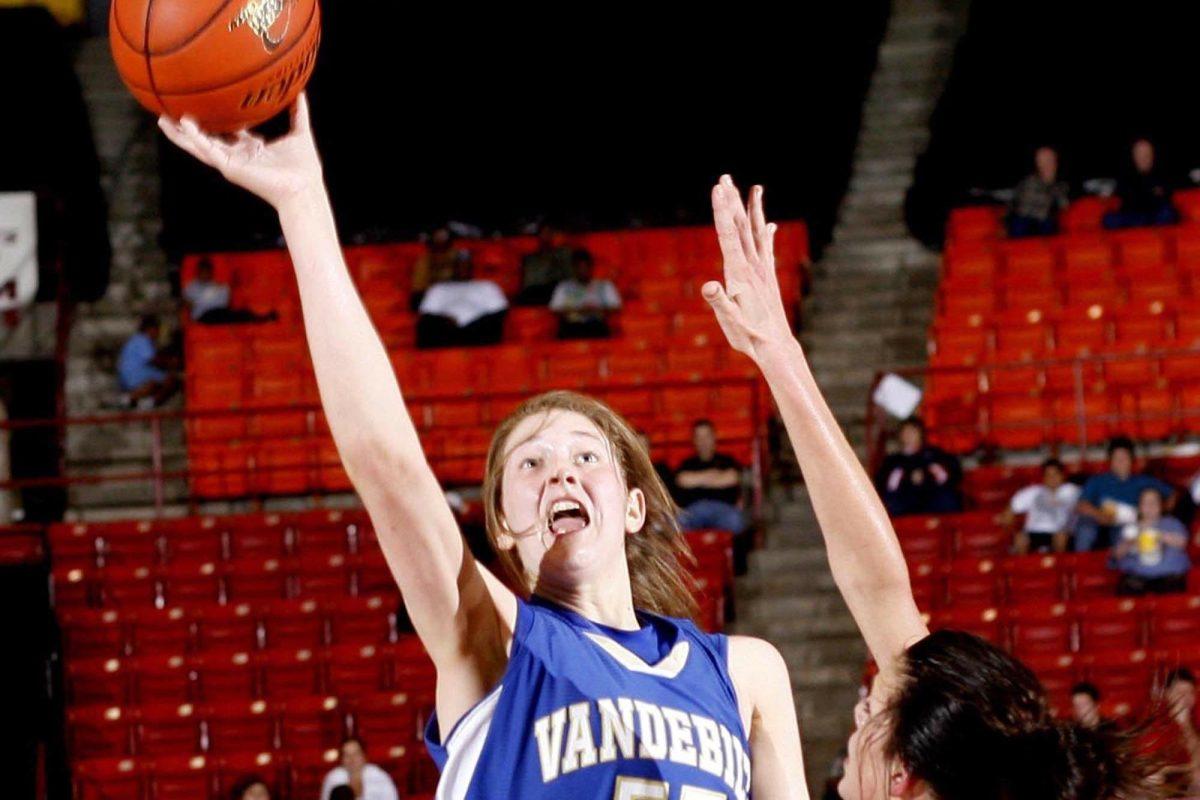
(597, 116)
(1085, 77)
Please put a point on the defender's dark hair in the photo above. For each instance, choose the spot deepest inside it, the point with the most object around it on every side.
(1088, 688)
(973, 724)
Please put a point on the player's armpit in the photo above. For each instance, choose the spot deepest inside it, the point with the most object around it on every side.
(760, 677)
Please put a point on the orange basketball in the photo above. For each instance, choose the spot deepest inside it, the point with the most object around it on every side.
(231, 64)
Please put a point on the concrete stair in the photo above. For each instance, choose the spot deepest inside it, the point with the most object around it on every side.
(871, 304)
(140, 283)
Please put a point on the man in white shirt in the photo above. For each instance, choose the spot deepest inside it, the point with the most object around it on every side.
(463, 312)
(368, 781)
(1049, 510)
(583, 302)
(208, 300)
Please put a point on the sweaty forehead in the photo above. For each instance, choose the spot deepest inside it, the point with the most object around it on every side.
(553, 427)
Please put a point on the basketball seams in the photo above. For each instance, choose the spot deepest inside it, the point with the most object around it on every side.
(281, 57)
(196, 33)
(125, 36)
(150, 60)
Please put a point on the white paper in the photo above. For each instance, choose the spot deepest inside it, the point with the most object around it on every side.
(897, 396)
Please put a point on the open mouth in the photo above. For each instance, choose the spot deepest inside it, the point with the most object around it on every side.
(567, 516)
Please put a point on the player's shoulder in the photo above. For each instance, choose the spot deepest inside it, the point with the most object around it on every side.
(752, 659)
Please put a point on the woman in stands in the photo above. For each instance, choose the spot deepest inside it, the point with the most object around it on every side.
(949, 716)
(584, 682)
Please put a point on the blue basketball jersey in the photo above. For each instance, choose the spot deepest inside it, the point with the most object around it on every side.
(588, 712)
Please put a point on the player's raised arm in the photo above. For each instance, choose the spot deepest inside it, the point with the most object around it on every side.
(462, 613)
(863, 550)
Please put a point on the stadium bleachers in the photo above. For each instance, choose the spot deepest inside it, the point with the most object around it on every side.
(199, 649)
(1068, 338)
(257, 428)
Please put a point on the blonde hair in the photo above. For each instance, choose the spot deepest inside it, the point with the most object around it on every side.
(656, 555)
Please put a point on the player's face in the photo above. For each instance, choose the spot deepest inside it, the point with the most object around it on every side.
(565, 500)
(1181, 697)
(866, 776)
(353, 757)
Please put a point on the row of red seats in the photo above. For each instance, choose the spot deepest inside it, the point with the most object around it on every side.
(241, 726)
(350, 670)
(294, 774)
(985, 582)
(695, 351)
(1038, 336)
(202, 627)
(1133, 250)
(1084, 214)
(1036, 419)
(310, 463)
(1090, 626)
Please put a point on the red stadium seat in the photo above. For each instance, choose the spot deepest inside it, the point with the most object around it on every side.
(292, 624)
(1034, 578)
(1018, 422)
(181, 778)
(289, 673)
(193, 582)
(167, 730)
(986, 623)
(111, 779)
(226, 675)
(255, 579)
(99, 732)
(165, 678)
(1123, 676)
(130, 587)
(1112, 624)
(389, 715)
(1174, 622)
(360, 620)
(89, 633)
(232, 627)
(313, 721)
(1041, 630)
(237, 726)
(1090, 578)
(973, 582)
(983, 541)
(160, 630)
(1092, 253)
(1058, 675)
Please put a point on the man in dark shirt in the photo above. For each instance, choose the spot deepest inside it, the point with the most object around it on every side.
(544, 269)
(920, 478)
(1145, 196)
(708, 485)
(1110, 499)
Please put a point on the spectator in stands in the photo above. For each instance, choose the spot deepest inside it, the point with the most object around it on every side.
(584, 302)
(1110, 499)
(709, 485)
(463, 312)
(1143, 191)
(367, 781)
(1180, 695)
(544, 269)
(145, 375)
(1085, 705)
(1049, 511)
(1038, 198)
(920, 478)
(207, 301)
(251, 787)
(440, 263)
(1152, 553)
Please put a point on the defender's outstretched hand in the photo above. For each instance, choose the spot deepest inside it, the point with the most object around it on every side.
(749, 306)
(277, 171)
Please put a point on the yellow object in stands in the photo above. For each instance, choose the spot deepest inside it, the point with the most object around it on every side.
(68, 12)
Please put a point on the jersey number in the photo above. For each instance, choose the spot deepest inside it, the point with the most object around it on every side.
(643, 789)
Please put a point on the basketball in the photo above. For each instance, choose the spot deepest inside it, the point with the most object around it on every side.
(231, 64)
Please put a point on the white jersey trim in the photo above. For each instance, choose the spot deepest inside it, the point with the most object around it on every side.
(670, 666)
(464, 748)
